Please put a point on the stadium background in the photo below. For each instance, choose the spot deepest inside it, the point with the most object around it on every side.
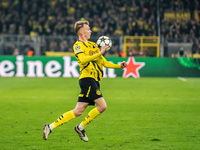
(160, 38)
(156, 28)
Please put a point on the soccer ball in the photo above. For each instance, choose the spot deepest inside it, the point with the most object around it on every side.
(104, 40)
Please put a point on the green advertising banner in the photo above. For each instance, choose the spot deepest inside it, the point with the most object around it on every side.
(21, 66)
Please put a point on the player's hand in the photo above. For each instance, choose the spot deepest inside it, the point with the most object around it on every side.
(123, 64)
(103, 49)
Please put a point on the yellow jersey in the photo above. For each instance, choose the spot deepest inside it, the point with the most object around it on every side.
(90, 60)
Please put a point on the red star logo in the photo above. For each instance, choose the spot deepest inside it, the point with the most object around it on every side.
(132, 68)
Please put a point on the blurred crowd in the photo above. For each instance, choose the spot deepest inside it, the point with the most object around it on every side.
(57, 17)
(106, 17)
(181, 29)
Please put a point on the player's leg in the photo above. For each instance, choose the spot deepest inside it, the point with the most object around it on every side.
(90, 94)
(101, 107)
(80, 107)
(64, 118)
(101, 104)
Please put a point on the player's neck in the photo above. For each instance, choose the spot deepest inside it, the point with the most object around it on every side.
(81, 38)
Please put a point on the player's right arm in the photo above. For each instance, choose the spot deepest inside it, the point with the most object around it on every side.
(79, 53)
(85, 59)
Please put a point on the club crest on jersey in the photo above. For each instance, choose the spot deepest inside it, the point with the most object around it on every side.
(98, 92)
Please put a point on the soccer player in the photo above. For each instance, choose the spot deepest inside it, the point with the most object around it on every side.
(91, 61)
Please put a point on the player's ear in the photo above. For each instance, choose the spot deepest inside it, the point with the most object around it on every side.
(80, 31)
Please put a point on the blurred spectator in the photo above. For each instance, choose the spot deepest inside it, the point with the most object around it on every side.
(118, 31)
(53, 46)
(30, 52)
(63, 46)
(16, 52)
(195, 46)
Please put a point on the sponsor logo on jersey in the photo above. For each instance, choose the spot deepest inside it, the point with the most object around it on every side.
(93, 52)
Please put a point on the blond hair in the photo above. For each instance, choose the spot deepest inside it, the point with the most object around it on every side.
(79, 24)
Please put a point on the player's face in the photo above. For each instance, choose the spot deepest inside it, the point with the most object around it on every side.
(86, 31)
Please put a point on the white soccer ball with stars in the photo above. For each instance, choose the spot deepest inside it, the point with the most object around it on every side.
(104, 40)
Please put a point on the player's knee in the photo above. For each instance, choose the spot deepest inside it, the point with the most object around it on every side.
(78, 112)
(102, 108)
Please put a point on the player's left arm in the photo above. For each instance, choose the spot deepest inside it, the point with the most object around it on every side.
(108, 64)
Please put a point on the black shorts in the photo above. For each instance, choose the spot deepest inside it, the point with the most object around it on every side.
(90, 90)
